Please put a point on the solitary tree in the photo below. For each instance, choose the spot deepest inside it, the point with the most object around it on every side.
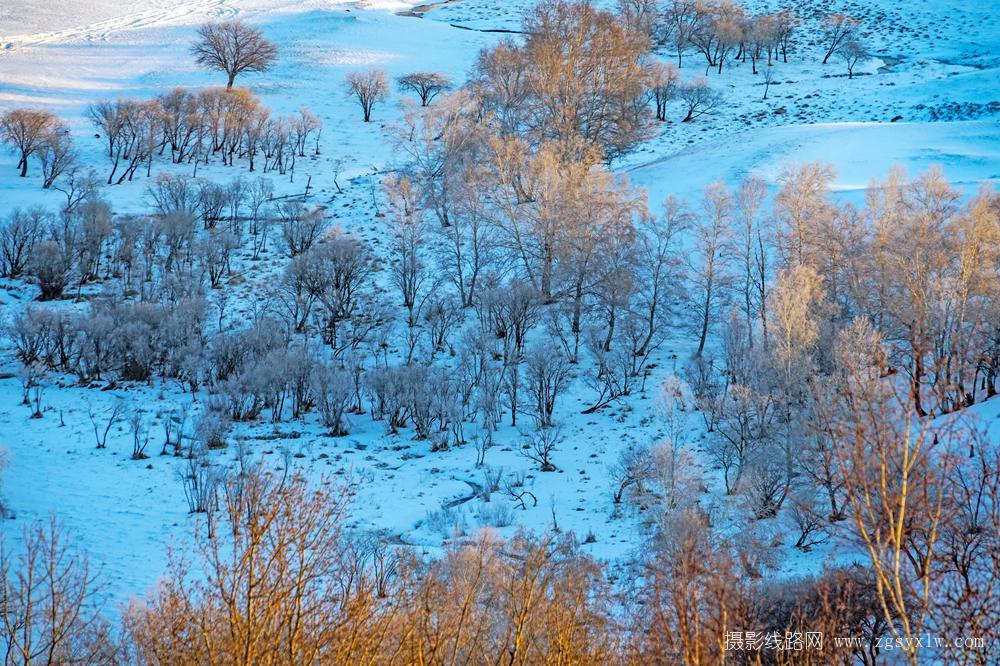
(852, 51)
(26, 130)
(233, 47)
(369, 88)
(425, 85)
(839, 28)
(699, 98)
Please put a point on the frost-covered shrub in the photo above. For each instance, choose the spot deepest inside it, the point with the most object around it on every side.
(495, 514)
(50, 265)
(91, 227)
(299, 364)
(231, 352)
(95, 343)
(333, 390)
(172, 194)
(214, 251)
(547, 374)
(200, 480)
(212, 430)
(447, 522)
(240, 397)
(389, 389)
(34, 333)
(426, 396)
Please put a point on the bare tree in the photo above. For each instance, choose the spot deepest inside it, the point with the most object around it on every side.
(682, 20)
(369, 88)
(852, 51)
(632, 468)
(301, 227)
(785, 23)
(547, 376)
(410, 272)
(839, 28)
(26, 130)
(233, 47)
(17, 239)
(201, 481)
(425, 85)
(140, 434)
(56, 154)
(51, 608)
(114, 416)
(749, 246)
(769, 77)
(711, 261)
(540, 446)
(659, 270)
(580, 81)
(895, 469)
(699, 98)
(78, 186)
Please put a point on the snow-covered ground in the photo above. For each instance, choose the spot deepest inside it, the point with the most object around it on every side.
(920, 101)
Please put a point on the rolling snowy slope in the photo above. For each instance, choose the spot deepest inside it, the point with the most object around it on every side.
(922, 100)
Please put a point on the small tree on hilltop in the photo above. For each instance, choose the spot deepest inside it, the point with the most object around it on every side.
(233, 47)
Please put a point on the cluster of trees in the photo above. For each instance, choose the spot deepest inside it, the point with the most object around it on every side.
(193, 125)
(719, 31)
(281, 579)
(829, 338)
(796, 312)
(196, 126)
(833, 351)
(722, 30)
(581, 72)
(371, 87)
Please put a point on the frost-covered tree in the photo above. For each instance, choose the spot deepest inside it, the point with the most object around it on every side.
(368, 88)
(710, 271)
(26, 130)
(51, 263)
(57, 154)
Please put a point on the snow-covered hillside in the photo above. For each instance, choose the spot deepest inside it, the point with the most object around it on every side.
(929, 95)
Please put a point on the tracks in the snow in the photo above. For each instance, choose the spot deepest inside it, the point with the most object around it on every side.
(102, 30)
